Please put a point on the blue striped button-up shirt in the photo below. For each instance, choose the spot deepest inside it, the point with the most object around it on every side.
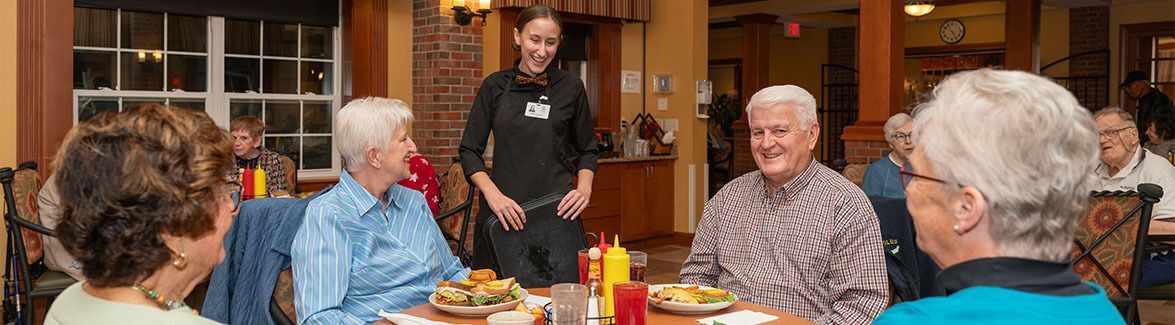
(353, 256)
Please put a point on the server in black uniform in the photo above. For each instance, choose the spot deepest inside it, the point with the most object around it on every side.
(543, 134)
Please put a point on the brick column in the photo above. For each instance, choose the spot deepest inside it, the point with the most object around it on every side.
(446, 70)
(1089, 30)
(881, 58)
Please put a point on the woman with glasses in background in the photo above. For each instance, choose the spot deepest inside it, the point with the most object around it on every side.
(882, 179)
(146, 201)
(996, 186)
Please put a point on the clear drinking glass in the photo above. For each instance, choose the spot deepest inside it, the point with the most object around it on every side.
(569, 302)
(638, 263)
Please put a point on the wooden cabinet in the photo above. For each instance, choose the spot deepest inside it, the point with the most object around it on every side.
(632, 198)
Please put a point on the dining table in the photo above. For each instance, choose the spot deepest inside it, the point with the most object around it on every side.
(654, 316)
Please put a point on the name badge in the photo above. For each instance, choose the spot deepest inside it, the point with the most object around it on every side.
(538, 110)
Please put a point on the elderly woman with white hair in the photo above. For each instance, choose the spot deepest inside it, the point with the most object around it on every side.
(996, 205)
(882, 178)
(369, 244)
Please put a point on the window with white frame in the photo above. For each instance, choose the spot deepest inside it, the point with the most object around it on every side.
(283, 73)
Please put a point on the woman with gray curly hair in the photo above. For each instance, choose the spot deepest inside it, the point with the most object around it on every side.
(146, 203)
(996, 206)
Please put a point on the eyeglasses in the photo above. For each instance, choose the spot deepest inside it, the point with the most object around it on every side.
(1108, 134)
(234, 193)
(777, 133)
(908, 176)
(903, 137)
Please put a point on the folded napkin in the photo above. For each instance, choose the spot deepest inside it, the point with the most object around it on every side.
(405, 319)
(742, 317)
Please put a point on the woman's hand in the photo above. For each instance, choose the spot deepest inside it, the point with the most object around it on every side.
(507, 211)
(574, 202)
(503, 207)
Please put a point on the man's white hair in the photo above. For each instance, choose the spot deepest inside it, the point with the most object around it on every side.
(1025, 143)
(802, 101)
(368, 122)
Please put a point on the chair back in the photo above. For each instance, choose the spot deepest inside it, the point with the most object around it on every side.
(1109, 241)
(855, 173)
(282, 305)
(455, 191)
(26, 183)
(291, 174)
(456, 208)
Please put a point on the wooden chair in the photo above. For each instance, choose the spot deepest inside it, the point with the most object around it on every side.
(25, 271)
(456, 208)
(1110, 243)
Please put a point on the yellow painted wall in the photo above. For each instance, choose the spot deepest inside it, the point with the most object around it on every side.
(400, 50)
(8, 83)
(1054, 33)
(7, 94)
(1124, 12)
(677, 45)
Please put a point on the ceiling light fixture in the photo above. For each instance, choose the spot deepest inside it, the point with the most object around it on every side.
(919, 8)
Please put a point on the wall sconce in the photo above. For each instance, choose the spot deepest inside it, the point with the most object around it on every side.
(463, 15)
(919, 8)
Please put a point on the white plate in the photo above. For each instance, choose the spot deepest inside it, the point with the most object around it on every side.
(478, 311)
(687, 309)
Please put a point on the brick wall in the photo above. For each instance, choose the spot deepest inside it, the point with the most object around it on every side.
(1089, 30)
(865, 152)
(446, 73)
(842, 50)
(446, 70)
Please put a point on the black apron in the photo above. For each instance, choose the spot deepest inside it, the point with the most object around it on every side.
(532, 156)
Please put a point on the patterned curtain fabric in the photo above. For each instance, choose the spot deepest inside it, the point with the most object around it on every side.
(623, 9)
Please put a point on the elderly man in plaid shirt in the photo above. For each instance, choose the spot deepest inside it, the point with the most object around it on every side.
(794, 235)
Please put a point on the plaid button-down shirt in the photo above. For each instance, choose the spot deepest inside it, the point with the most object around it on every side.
(813, 249)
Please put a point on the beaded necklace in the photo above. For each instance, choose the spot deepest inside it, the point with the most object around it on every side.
(168, 304)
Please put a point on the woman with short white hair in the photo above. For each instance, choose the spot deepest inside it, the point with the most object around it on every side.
(996, 186)
(882, 178)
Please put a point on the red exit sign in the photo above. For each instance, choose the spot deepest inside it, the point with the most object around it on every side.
(791, 30)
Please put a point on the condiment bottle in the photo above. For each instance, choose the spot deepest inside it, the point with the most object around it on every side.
(247, 186)
(603, 245)
(594, 282)
(615, 270)
(259, 183)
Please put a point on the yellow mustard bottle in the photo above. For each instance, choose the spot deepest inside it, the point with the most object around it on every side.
(259, 183)
(615, 270)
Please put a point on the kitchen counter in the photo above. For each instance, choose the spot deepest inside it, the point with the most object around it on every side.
(635, 159)
(616, 160)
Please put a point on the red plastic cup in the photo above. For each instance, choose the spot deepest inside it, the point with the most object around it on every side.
(583, 266)
(631, 302)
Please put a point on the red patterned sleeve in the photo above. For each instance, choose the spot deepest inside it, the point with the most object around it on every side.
(424, 180)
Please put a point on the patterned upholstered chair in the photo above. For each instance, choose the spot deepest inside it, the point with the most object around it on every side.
(1109, 243)
(28, 279)
(281, 307)
(291, 174)
(855, 173)
(456, 208)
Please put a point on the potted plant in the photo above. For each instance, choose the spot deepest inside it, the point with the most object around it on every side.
(724, 110)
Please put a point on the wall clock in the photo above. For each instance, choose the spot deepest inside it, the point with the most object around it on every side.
(952, 31)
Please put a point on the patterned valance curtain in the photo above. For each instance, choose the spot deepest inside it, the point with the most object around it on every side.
(637, 10)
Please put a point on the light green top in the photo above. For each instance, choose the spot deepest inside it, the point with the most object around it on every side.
(76, 306)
